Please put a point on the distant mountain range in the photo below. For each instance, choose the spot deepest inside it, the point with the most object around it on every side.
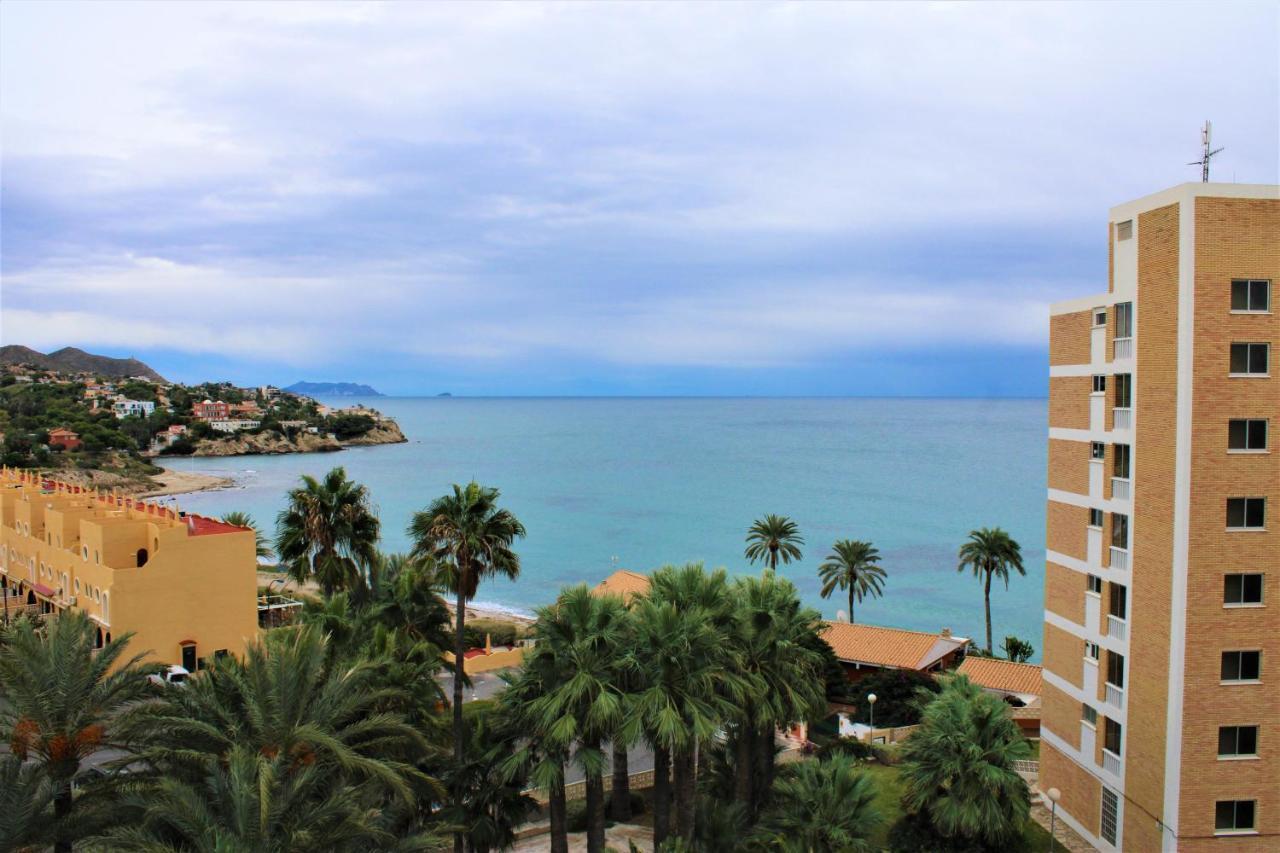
(332, 389)
(72, 360)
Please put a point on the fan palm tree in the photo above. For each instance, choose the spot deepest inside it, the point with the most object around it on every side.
(469, 537)
(821, 805)
(329, 532)
(852, 565)
(773, 538)
(990, 552)
(243, 519)
(958, 767)
(533, 756)
(62, 698)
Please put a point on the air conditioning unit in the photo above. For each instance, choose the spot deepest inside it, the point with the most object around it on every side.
(72, 600)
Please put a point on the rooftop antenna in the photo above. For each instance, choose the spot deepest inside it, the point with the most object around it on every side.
(1205, 134)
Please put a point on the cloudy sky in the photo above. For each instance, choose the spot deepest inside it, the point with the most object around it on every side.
(598, 199)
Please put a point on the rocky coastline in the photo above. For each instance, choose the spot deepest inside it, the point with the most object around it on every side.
(271, 443)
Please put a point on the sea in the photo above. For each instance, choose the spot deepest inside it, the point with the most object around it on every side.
(638, 483)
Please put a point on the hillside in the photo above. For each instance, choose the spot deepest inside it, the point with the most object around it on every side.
(72, 360)
(333, 389)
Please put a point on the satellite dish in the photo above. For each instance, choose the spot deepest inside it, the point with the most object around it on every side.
(841, 616)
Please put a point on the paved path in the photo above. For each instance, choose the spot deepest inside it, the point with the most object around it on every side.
(616, 837)
(1065, 835)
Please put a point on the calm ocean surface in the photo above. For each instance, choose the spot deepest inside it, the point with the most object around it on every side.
(650, 481)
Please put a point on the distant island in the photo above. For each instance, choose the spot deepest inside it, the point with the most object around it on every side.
(333, 389)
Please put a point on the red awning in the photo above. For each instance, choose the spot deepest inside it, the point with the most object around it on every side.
(41, 589)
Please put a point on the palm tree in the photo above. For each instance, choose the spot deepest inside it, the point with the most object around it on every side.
(495, 803)
(534, 757)
(958, 767)
(580, 636)
(243, 519)
(990, 552)
(469, 538)
(773, 538)
(822, 805)
(25, 797)
(329, 531)
(852, 565)
(62, 698)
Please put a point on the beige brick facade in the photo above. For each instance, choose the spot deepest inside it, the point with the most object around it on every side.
(1069, 401)
(1069, 466)
(1065, 531)
(1069, 338)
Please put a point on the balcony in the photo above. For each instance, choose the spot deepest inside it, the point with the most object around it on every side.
(1120, 489)
(1119, 558)
(1123, 418)
(1117, 628)
(1122, 348)
(1111, 762)
(1114, 695)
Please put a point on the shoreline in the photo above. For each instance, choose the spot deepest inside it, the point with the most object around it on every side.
(173, 482)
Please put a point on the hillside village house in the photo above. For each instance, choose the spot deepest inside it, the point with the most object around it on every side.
(247, 408)
(185, 586)
(129, 408)
(862, 649)
(64, 439)
(230, 425)
(211, 410)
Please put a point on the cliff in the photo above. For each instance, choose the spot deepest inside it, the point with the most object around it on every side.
(269, 442)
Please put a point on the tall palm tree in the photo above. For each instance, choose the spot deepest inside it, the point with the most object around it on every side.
(852, 565)
(990, 552)
(773, 538)
(822, 805)
(958, 767)
(496, 802)
(243, 519)
(469, 537)
(62, 698)
(537, 756)
(329, 532)
(582, 704)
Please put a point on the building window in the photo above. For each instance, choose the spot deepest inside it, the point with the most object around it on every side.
(1097, 450)
(1246, 513)
(1120, 530)
(1099, 383)
(1242, 589)
(1100, 316)
(1124, 230)
(1110, 815)
(1237, 741)
(1091, 650)
(1124, 390)
(1120, 461)
(1119, 603)
(1095, 518)
(1234, 816)
(1242, 666)
(1124, 319)
(1248, 434)
(1088, 714)
(1111, 732)
(1250, 294)
(1094, 584)
(77, 586)
(1249, 359)
(1115, 674)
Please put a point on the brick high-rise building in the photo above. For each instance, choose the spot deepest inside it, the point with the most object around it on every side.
(1161, 718)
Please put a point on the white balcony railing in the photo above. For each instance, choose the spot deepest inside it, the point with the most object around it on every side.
(1119, 558)
(1123, 348)
(1111, 762)
(1120, 489)
(1117, 628)
(1123, 418)
(1115, 695)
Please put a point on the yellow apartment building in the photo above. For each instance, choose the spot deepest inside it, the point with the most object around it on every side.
(1161, 717)
(184, 585)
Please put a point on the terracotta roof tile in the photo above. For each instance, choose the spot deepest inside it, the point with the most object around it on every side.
(895, 647)
(624, 583)
(1007, 676)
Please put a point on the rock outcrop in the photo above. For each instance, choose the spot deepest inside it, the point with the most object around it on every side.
(270, 442)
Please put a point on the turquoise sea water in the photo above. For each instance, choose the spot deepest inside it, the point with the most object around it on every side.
(650, 481)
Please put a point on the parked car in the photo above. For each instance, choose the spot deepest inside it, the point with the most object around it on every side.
(170, 675)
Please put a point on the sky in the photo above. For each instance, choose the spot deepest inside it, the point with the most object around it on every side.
(775, 199)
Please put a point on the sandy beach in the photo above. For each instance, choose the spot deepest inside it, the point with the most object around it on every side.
(183, 482)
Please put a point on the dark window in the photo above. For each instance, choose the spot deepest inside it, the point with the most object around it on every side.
(1110, 815)
(1247, 434)
(1088, 714)
(1234, 815)
(1242, 589)
(1247, 512)
(1100, 317)
(1124, 319)
(1123, 386)
(1099, 383)
(1094, 583)
(1111, 736)
(1097, 450)
(1119, 530)
(1119, 601)
(1120, 465)
(1249, 358)
(1238, 740)
(1091, 650)
(1115, 674)
(1250, 294)
(1095, 518)
(1241, 666)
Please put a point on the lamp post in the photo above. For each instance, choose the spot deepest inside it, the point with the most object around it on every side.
(1054, 795)
(871, 702)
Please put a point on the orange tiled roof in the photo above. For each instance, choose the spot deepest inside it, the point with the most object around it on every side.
(1003, 675)
(624, 583)
(895, 647)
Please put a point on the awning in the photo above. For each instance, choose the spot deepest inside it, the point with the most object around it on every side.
(41, 589)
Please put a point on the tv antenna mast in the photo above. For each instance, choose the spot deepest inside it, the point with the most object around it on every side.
(1205, 134)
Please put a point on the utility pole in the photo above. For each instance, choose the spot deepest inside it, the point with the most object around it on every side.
(1203, 162)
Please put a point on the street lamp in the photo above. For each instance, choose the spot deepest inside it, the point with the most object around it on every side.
(1054, 795)
(871, 701)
